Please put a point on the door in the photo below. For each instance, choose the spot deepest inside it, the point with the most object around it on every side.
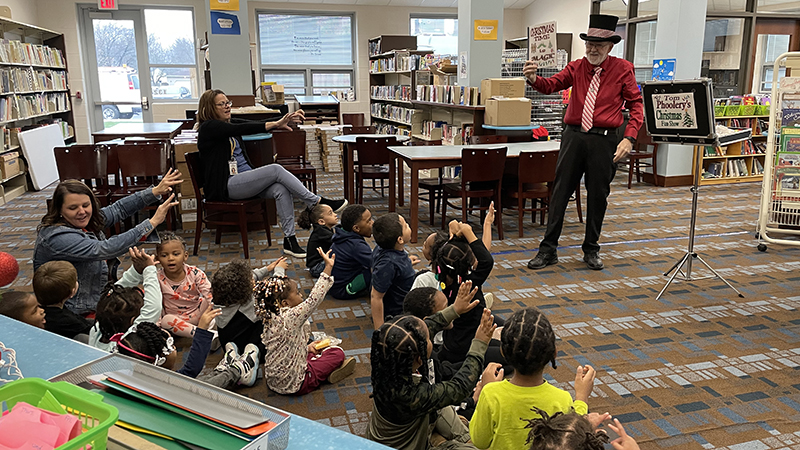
(118, 91)
(772, 38)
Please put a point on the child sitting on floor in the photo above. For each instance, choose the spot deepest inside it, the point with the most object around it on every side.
(292, 365)
(54, 283)
(411, 411)
(392, 267)
(322, 219)
(125, 304)
(185, 289)
(528, 344)
(572, 431)
(352, 274)
(22, 306)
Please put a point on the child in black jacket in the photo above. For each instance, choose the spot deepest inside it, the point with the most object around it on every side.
(322, 218)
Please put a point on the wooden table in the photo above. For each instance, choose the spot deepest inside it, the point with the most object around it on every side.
(439, 156)
(348, 164)
(255, 113)
(146, 130)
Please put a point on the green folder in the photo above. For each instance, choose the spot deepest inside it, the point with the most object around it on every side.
(172, 425)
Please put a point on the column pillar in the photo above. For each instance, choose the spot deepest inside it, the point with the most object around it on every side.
(484, 58)
(229, 54)
(679, 34)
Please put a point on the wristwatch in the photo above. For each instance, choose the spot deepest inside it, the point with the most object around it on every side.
(631, 139)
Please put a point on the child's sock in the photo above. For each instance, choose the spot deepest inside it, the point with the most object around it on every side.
(177, 326)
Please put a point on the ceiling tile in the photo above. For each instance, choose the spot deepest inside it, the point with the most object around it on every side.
(439, 3)
(405, 2)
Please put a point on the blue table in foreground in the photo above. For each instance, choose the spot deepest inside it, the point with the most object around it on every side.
(348, 165)
(439, 156)
(45, 355)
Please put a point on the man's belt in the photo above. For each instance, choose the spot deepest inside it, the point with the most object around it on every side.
(593, 130)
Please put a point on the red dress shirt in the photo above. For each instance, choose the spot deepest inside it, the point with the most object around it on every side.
(617, 89)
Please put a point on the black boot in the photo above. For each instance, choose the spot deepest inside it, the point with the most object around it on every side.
(291, 247)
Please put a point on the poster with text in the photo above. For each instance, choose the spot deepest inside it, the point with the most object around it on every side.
(485, 30)
(542, 44)
(462, 65)
(675, 111)
(224, 23)
(224, 5)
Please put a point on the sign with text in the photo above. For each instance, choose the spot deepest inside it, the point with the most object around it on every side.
(224, 23)
(107, 5)
(224, 5)
(542, 44)
(462, 65)
(675, 111)
(485, 30)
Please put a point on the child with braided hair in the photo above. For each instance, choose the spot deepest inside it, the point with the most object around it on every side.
(292, 365)
(573, 431)
(528, 344)
(411, 411)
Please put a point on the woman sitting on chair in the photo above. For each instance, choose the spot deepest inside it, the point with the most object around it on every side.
(228, 173)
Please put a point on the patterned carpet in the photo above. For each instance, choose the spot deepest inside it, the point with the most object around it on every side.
(700, 368)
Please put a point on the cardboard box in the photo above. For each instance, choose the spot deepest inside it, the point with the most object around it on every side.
(272, 94)
(182, 149)
(9, 165)
(508, 111)
(189, 221)
(187, 205)
(502, 87)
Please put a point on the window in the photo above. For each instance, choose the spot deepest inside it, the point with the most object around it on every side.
(436, 33)
(768, 48)
(308, 54)
(778, 6)
(722, 48)
(617, 8)
(644, 50)
(171, 54)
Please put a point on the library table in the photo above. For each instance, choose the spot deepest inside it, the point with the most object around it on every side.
(145, 130)
(348, 165)
(440, 156)
(45, 355)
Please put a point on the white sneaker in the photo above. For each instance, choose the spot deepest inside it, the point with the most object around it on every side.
(249, 360)
(229, 357)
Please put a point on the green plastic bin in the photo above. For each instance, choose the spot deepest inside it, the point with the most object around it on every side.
(747, 110)
(732, 110)
(719, 111)
(762, 110)
(95, 416)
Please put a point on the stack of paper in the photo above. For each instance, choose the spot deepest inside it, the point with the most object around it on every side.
(331, 151)
(313, 155)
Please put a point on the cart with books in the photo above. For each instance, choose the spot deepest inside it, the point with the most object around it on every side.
(779, 213)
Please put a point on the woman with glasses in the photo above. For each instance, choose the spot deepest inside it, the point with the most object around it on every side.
(229, 174)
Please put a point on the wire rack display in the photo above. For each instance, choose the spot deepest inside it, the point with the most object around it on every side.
(546, 110)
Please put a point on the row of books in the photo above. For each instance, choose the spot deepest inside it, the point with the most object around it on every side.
(25, 79)
(391, 92)
(25, 53)
(392, 112)
(752, 148)
(453, 95)
(10, 137)
(456, 135)
(388, 128)
(728, 169)
(18, 107)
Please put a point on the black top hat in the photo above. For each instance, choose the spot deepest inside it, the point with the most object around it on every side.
(602, 28)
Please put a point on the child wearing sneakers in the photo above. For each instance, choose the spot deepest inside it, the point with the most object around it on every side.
(185, 289)
(322, 219)
(529, 344)
(392, 267)
(352, 274)
(292, 365)
(55, 282)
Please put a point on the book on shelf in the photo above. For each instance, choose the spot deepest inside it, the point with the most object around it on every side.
(758, 168)
(453, 95)
(787, 181)
(711, 151)
(785, 158)
(25, 53)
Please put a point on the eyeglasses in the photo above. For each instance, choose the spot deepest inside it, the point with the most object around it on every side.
(224, 104)
(595, 44)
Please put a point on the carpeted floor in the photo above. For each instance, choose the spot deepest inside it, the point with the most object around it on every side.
(700, 368)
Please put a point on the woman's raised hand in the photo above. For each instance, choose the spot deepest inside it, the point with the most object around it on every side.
(161, 212)
(171, 178)
(293, 117)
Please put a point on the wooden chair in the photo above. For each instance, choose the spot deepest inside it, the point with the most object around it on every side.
(88, 163)
(219, 213)
(432, 185)
(354, 119)
(140, 166)
(373, 160)
(358, 130)
(488, 139)
(536, 172)
(641, 150)
(290, 150)
(481, 177)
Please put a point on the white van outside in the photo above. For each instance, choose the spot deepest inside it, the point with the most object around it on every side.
(119, 85)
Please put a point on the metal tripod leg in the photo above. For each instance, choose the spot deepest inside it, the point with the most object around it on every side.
(719, 276)
(676, 268)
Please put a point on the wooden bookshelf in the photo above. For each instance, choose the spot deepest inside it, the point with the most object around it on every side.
(736, 162)
(393, 79)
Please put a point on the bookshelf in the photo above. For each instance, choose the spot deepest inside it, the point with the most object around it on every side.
(737, 162)
(34, 90)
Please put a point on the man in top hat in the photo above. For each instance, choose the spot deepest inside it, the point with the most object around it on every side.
(601, 86)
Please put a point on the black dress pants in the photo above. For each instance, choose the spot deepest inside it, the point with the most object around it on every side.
(582, 154)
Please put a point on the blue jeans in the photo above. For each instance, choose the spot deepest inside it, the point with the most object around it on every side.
(273, 181)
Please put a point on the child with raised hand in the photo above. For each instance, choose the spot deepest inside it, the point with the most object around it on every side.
(528, 344)
(322, 219)
(570, 431)
(352, 274)
(292, 366)
(624, 441)
(55, 282)
(22, 306)
(408, 405)
(392, 267)
(125, 304)
(185, 289)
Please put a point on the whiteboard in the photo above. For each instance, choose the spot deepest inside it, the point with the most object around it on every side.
(37, 146)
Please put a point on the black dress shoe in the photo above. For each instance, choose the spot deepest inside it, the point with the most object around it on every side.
(593, 261)
(542, 260)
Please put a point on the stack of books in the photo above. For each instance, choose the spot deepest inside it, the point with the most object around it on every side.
(331, 151)
(313, 155)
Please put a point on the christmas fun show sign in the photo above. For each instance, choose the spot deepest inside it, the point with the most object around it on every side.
(675, 111)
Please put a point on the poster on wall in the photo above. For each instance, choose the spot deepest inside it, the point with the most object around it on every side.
(462, 65)
(224, 23)
(542, 44)
(676, 111)
(664, 69)
(485, 30)
(224, 5)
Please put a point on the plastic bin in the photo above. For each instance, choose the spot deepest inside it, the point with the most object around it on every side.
(762, 110)
(96, 417)
(747, 110)
(732, 110)
(719, 110)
